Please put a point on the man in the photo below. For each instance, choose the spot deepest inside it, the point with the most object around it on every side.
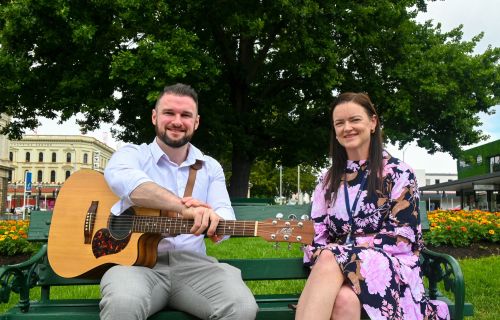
(155, 176)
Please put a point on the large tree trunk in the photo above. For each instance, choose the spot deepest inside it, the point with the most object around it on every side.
(241, 166)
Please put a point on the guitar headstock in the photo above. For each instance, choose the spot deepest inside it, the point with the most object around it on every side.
(277, 230)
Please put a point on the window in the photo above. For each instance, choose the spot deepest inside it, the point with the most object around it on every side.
(53, 176)
(10, 175)
(68, 157)
(427, 182)
(68, 173)
(54, 157)
(495, 163)
(436, 181)
(28, 156)
(39, 176)
(85, 158)
(11, 156)
(479, 159)
(40, 157)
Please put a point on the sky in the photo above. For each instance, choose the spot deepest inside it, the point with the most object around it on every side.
(475, 16)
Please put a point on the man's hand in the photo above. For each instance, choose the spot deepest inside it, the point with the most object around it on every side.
(203, 218)
(191, 202)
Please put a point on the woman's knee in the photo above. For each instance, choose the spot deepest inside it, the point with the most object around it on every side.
(326, 262)
(347, 305)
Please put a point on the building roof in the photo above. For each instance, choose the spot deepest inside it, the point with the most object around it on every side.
(466, 183)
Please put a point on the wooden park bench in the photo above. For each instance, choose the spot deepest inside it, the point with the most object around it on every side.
(37, 272)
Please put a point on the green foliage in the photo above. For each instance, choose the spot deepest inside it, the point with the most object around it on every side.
(265, 71)
(460, 228)
(10, 247)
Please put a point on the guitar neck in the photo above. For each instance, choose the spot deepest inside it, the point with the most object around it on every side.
(149, 224)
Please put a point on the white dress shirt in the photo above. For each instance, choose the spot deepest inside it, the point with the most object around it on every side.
(133, 165)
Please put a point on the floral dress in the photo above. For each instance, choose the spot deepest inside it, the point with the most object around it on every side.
(381, 264)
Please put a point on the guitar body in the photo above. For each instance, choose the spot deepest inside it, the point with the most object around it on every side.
(85, 239)
(70, 255)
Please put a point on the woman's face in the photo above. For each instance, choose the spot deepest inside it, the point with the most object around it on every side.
(353, 128)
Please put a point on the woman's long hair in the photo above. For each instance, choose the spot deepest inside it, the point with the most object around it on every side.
(339, 154)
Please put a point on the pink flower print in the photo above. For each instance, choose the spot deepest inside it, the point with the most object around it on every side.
(411, 309)
(373, 313)
(399, 248)
(387, 310)
(353, 166)
(412, 278)
(342, 256)
(442, 309)
(340, 209)
(406, 232)
(374, 267)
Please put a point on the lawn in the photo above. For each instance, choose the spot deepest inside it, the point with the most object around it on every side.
(482, 276)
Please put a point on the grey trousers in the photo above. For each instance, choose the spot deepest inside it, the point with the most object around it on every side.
(181, 280)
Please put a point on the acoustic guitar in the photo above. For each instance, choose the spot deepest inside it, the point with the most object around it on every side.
(85, 239)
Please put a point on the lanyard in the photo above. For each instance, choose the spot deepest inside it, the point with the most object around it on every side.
(350, 211)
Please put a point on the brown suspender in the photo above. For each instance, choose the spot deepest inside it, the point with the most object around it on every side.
(188, 192)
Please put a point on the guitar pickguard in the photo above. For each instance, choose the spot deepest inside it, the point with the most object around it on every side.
(103, 243)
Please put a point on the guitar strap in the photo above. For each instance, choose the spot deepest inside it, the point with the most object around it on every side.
(188, 191)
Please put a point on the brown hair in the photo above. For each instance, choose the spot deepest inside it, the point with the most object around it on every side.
(179, 89)
(339, 154)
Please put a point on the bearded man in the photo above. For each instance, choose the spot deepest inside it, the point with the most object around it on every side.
(159, 175)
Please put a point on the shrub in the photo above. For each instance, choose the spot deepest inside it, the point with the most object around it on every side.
(13, 236)
(460, 228)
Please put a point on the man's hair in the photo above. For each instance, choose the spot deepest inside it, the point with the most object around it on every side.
(179, 89)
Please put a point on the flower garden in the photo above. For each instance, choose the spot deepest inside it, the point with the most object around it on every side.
(460, 228)
(13, 234)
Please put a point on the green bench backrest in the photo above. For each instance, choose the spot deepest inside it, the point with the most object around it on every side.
(39, 225)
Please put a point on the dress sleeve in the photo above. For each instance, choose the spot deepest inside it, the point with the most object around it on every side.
(321, 220)
(401, 231)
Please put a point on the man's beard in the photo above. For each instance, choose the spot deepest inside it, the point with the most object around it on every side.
(173, 143)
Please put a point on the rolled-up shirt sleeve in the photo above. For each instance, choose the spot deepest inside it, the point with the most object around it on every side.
(217, 195)
(124, 174)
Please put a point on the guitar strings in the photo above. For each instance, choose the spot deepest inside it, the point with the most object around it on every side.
(182, 226)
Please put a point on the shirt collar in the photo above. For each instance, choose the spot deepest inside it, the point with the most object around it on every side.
(193, 154)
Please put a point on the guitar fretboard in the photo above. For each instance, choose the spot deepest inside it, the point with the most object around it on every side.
(175, 226)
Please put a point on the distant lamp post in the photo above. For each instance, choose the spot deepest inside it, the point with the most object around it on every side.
(38, 196)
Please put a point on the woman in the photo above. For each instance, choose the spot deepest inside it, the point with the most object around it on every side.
(368, 235)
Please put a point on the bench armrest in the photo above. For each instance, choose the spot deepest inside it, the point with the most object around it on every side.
(19, 278)
(439, 267)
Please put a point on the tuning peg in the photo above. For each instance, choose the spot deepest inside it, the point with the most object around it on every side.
(304, 217)
(279, 216)
(292, 217)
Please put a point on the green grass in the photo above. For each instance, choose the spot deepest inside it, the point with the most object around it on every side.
(482, 286)
(482, 277)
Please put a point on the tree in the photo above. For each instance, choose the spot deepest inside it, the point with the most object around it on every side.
(265, 71)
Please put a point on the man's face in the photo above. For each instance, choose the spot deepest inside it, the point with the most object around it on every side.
(175, 119)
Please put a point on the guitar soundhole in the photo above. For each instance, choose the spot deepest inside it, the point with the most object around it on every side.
(121, 226)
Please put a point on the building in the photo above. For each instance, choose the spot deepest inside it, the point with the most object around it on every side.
(51, 159)
(478, 183)
(437, 199)
(5, 164)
